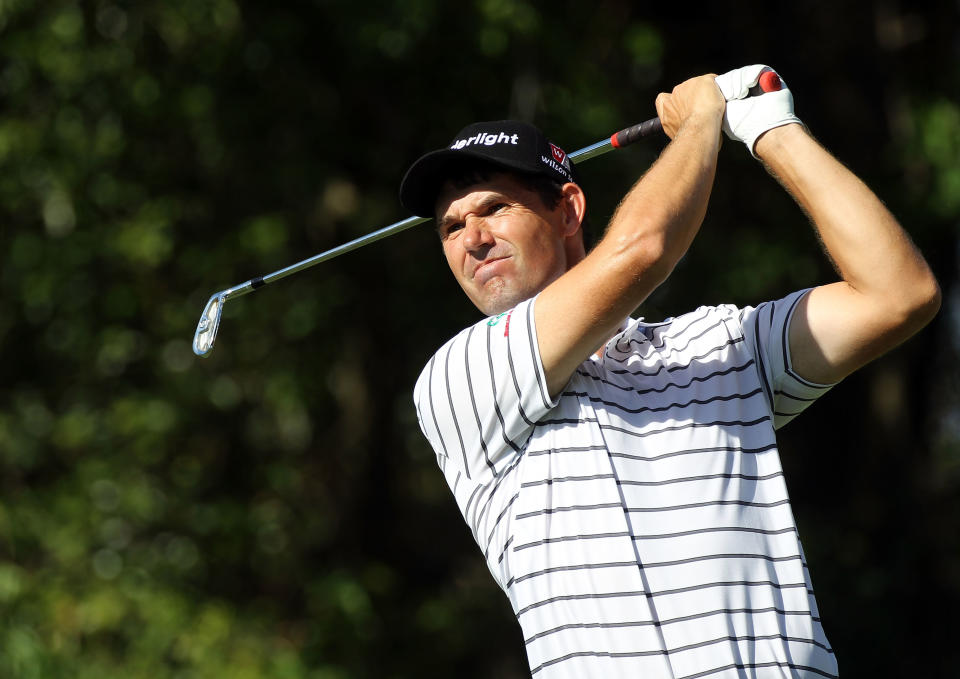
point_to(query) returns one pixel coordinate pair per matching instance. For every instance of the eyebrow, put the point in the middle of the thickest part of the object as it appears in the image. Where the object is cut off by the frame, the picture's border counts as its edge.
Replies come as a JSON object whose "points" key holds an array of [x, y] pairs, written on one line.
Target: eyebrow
{"points": [[492, 199]]}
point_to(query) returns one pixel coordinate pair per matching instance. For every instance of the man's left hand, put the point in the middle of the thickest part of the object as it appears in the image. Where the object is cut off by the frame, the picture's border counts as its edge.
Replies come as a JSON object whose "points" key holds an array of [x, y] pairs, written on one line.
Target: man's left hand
{"points": [[747, 117]]}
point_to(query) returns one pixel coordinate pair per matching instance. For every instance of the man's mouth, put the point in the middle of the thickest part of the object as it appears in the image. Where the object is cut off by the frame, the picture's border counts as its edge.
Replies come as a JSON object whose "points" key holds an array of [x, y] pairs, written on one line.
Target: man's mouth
{"points": [[488, 269]]}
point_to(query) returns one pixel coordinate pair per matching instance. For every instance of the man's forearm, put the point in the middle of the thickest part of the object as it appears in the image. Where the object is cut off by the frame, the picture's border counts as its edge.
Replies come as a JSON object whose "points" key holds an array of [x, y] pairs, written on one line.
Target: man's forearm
{"points": [[887, 292], [650, 231], [665, 208], [870, 249]]}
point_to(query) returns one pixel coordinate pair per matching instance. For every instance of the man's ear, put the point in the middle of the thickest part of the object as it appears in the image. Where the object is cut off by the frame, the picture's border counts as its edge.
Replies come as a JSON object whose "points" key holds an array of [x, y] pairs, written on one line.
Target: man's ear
{"points": [[574, 205]]}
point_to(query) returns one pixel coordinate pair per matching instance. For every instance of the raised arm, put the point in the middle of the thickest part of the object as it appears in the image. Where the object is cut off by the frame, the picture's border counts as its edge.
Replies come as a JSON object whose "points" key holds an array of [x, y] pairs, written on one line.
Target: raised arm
{"points": [[887, 292], [651, 229]]}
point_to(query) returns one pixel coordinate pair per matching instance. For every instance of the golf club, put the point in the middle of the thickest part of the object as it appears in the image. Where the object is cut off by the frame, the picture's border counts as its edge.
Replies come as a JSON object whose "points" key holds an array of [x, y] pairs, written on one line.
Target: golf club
{"points": [[206, 333]]}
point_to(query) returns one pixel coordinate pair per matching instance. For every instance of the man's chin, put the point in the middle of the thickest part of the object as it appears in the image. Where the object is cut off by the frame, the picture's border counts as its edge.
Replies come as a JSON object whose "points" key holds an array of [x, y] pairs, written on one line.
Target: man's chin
{"points": [[503, 299]]}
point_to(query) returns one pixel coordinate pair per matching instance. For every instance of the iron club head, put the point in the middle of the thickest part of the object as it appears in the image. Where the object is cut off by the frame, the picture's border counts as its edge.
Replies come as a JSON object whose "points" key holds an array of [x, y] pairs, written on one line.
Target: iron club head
{"points": [[206, 333]]}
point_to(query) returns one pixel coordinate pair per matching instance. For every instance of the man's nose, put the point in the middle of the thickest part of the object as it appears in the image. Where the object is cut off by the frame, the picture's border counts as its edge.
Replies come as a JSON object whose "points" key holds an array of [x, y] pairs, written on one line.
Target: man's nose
{"points": [[476, 234]]}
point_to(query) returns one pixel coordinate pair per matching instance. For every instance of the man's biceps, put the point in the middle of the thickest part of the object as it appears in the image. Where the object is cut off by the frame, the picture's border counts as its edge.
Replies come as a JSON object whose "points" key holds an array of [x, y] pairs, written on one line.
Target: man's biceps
{"points": [[556, 353], [832, 333]]}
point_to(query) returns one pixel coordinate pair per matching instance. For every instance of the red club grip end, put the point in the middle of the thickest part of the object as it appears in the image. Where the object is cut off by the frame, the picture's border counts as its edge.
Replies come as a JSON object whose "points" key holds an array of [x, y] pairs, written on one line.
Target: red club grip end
{"points": [[770, 81]]}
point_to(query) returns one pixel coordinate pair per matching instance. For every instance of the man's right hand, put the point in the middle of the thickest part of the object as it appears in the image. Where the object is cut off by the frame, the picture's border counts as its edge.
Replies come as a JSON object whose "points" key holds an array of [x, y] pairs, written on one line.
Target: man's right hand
{"points": [[698, 96]]}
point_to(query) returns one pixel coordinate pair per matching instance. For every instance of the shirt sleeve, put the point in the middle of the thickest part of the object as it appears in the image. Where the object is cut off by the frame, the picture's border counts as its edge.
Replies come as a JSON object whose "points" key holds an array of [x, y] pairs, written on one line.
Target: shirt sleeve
{"points": [[766, 329], [479, 397]]}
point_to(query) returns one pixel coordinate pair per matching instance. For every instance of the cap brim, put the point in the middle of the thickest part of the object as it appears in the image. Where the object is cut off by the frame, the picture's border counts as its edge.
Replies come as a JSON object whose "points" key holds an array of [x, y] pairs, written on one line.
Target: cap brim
{"points": [[422, 183]]}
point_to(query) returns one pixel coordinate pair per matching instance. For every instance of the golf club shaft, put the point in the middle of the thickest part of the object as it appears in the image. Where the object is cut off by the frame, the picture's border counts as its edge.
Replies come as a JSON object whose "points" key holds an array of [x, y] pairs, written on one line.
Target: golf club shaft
{"points": [[206, 333], [619, 140], [624, 137]]}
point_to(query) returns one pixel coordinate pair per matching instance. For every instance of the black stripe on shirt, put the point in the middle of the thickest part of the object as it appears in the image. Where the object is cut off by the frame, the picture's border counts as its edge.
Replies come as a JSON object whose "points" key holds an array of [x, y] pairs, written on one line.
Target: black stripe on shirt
{"points": [[589, 625], [796, 378], [660, 409], [678, 590], [498, 484], [666, 482], [712, 557], [534, 355], [685, 618], [486, 505], [562, 479], [717, 529], [513, 374], [576, 567], [506, 546], [578, 597], [669, 385], [781, 392], [496, 403], [659, 564], [783, 334], [473, 401], [571, 508], [635, 654], [663, 338], [654, 458], [570, 538], [675, 368], [696, 451], [703, 477], [567, 449], [735, 583], [569, 420], [690, 341], [692, 425], [759, 355], [707, 312], [486, 548], [728, 611], [433, 410], [671, 350], [596, 654], [743, 666], [473, 495], [453, 411], [711, 503], [655, 536]]}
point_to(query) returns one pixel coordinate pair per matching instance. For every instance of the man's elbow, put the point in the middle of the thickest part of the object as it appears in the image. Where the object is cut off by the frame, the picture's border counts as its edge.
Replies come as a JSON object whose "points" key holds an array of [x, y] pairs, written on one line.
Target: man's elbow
{"points": [[930, 303], [919, 302]]}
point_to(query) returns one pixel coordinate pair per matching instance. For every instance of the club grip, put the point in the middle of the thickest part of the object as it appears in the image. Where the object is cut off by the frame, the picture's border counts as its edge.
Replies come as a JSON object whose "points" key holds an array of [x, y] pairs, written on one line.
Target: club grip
{"points": [[769, 82], [628, 135]]}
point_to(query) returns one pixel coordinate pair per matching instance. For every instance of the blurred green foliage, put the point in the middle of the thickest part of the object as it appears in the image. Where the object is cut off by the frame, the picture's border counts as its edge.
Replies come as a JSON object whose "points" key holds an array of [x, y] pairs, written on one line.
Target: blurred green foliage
{"points": [[273, 511]]}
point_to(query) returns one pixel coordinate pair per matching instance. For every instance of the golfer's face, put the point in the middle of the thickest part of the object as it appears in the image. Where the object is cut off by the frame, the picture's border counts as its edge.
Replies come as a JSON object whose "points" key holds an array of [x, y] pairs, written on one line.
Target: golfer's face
{"points": [[501, 242]]}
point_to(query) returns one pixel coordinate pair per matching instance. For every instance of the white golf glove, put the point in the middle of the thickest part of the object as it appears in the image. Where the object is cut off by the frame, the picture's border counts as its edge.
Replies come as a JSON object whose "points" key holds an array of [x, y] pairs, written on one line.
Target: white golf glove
{"points": [[746, 117]]}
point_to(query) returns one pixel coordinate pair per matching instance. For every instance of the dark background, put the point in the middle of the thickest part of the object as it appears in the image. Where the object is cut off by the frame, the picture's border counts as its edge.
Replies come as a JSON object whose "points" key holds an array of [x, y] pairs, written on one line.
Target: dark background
{"points": [[273, 511]]}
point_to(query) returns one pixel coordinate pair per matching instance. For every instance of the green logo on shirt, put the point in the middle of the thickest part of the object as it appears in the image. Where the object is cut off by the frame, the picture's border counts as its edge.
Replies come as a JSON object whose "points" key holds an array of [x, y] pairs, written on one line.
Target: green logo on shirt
{"points": [[496, 319]]}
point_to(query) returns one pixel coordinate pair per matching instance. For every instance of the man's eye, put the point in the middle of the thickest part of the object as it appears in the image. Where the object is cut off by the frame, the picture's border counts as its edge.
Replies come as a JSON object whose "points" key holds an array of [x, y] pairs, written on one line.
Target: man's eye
{"points": [[496, 207], [451, 230]]}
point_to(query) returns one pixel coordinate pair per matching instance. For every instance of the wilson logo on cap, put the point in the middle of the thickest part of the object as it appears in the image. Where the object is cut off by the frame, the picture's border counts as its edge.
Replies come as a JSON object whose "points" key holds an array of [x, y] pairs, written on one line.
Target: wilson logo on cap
{"points": [[558, 154]]}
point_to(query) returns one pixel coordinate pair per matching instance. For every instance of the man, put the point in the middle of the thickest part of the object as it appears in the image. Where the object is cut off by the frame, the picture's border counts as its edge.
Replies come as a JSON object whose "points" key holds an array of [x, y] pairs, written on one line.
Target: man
{"points": [[621, 477]]}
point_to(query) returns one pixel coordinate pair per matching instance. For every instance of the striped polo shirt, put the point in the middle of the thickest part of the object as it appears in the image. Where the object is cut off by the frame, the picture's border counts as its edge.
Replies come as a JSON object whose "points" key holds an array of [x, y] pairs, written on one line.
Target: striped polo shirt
{"points": [[639, 523]]}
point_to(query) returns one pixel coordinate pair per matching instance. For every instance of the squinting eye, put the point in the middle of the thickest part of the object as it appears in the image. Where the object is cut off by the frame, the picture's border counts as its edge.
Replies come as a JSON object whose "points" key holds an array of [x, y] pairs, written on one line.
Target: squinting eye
{"points": [[450, 230]]}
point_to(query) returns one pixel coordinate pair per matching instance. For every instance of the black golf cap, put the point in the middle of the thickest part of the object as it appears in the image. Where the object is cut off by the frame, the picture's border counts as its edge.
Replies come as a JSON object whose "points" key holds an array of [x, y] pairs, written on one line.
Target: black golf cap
{"points": [[509, 144]]}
